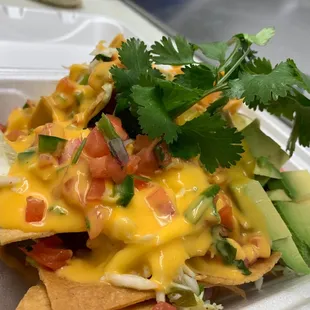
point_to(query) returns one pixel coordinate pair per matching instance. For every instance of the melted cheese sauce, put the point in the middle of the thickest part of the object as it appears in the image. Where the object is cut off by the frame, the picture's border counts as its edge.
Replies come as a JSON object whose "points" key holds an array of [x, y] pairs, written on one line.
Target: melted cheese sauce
{"points": [[135, 239]]}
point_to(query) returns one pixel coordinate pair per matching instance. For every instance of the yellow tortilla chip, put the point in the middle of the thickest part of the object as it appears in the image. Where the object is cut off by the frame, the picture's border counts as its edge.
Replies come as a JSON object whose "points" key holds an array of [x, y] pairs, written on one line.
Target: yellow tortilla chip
{"points": [[148, 305], [35, 298], [218, 274], [68, 295], [13, 235]]}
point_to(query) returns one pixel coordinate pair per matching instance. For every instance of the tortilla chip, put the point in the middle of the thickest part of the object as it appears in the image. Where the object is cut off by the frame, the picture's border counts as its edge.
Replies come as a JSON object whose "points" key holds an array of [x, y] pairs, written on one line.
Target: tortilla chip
{"points": [[148, 305], [261, 267], [14, 235], [35, 298], [68, 295], [117, 41]]}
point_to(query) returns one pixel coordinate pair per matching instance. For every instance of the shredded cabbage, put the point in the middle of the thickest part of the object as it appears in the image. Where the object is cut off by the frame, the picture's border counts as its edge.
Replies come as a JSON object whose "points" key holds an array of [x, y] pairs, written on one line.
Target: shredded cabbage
{"points": [[7, 156]]}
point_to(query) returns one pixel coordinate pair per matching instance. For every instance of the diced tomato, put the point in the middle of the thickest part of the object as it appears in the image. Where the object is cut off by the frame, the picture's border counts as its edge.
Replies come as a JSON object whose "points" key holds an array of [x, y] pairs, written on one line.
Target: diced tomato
{"points": [[141, 142], [96, 190], [163, 306], [35, 209], [148, 163], [117, 124], [49, 256], [96, 146], [107, 167], [226, 215], [14, 135], [140, 184], [2, 128], [65, 85], [70, 149], [53, 242], [133, 164], [96, 218], [282, 169], [160, 202]]}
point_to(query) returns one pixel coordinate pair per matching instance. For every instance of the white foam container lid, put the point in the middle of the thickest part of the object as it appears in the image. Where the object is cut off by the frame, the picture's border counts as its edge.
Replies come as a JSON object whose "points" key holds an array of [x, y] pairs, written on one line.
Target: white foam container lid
{"points": [[35, 44]]}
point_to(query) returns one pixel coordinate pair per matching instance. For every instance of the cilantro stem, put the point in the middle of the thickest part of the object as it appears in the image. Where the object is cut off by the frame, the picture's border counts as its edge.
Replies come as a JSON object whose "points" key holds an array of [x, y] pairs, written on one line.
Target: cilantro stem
{"points": [[234, 67], [228, 60]]}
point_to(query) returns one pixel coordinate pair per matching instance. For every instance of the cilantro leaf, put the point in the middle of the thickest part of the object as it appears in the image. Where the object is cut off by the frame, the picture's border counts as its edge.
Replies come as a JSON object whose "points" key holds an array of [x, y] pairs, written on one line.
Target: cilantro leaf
{"points": [[260, 89], [261, 38], [196, 77], [214, 50], [303, 78], [165, 53], [241, 266], [177, 98], [153, 118], [134, 55], [259, 66], [208, 136], [295, 107], [123, 79], [226, 250]]}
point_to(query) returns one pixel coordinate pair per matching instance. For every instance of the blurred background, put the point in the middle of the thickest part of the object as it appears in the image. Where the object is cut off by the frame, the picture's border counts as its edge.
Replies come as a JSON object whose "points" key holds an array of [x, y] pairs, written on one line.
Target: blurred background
{"points": [[217, 20]]}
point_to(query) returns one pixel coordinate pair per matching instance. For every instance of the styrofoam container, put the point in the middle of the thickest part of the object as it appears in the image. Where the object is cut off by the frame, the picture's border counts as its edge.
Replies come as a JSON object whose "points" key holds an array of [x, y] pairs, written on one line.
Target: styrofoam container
{"points": [[35, 44]]}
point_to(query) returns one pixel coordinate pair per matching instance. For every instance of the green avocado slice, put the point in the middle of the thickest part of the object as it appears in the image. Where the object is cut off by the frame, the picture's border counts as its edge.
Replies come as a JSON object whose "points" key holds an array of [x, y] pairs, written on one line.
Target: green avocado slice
{"points": [[263, 146], [296, 219], [251, 196], [290, 255], [278, 195]]}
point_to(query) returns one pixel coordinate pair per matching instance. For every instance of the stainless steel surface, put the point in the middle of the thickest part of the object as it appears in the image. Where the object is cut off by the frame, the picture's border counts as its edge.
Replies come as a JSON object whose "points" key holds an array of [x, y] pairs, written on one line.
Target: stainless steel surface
{"points": [[215, 20]]}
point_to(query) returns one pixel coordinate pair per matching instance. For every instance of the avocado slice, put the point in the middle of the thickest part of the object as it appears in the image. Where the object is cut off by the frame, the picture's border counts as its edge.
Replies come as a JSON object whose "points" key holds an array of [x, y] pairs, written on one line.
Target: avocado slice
{"points": [[297, 184], [263, 146], [262, 179], [255, 204], [240, 121], [290, 255], [42, 114], [296, 219], [265, 168], [250, 196], [278, 195]]}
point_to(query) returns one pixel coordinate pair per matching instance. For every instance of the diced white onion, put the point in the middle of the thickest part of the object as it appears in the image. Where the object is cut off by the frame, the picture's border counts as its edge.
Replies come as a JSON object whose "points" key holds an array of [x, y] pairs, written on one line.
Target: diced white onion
{"points": [[130, 281], [160, 297], [8, 181]]}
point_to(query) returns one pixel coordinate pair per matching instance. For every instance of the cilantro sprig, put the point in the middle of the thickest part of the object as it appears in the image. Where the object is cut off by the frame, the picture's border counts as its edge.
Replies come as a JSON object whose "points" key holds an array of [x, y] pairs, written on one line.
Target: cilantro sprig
{"points": [[149, 103]]}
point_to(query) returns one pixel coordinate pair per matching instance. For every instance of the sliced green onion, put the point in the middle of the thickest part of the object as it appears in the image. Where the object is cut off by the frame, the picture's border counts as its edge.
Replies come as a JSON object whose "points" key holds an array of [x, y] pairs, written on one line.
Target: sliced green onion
{"points": [[26, 106], [87, 223], [79, 152], [182, 297], [83, 80], [31, 262], [125, 191], [115, 143], [106, 128], [58, 210], [24, 156], [50, 144], [102, 58], [196, 210], [79, 95]]}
